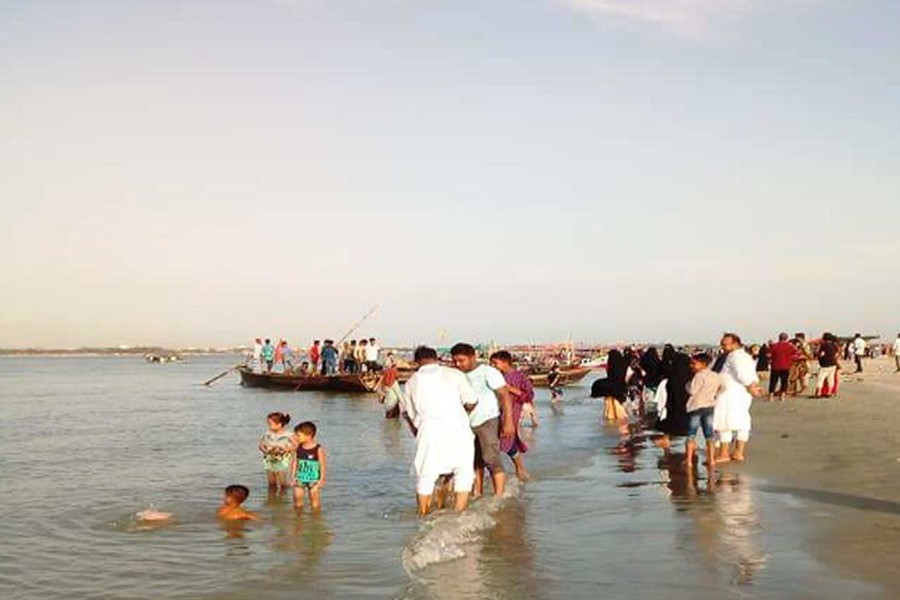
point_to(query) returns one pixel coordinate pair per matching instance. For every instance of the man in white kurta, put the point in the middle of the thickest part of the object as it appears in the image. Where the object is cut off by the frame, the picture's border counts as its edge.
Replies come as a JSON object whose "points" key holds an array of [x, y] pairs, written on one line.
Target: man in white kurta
{"points": [[434, 406], [732, 415]]}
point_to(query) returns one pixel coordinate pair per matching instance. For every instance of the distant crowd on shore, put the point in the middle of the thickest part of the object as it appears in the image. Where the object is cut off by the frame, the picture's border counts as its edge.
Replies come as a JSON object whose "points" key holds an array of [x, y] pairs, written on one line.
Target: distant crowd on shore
{"points": [[321, 358], [693, 390]]}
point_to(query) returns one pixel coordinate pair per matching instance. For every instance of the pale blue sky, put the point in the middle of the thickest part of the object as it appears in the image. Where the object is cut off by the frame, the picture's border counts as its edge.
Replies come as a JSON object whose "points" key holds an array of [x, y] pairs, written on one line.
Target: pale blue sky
{"points": [[203, 172]]}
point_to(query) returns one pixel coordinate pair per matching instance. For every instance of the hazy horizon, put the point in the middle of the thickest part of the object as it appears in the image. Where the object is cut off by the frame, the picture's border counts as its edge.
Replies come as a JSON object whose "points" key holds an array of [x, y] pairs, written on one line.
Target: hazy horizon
{"points": [[202, 173]]}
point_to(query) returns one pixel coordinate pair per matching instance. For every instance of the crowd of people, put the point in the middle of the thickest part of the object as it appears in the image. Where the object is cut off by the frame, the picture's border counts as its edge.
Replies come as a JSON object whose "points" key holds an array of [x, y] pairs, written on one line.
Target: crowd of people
{"points": [[712, 390], [321, 358]]}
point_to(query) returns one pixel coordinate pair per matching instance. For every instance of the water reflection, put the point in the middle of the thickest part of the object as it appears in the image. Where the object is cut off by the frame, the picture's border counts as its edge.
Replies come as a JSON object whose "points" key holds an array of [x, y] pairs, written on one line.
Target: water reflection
{"points": [[723, 523]]}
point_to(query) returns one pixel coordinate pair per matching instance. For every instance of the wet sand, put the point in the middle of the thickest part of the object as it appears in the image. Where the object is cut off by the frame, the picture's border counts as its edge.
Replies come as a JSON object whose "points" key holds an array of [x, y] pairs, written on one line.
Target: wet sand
{"points": [[841, 457]]}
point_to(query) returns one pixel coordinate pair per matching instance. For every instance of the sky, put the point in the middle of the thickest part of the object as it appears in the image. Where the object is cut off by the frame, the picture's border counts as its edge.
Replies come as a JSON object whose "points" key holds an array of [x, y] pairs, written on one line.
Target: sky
{"points": [[198, 173]]}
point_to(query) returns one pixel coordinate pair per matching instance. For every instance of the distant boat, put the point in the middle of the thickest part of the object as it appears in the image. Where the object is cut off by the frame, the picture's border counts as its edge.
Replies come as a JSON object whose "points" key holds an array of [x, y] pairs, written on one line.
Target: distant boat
{"points": [[162, 358], [567, 376], [362, 383]]}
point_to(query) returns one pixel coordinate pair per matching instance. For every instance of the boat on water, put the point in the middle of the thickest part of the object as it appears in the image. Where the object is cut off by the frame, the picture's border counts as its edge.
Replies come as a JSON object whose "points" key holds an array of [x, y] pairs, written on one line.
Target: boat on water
{"points": [[361, 383], [569, 376]]}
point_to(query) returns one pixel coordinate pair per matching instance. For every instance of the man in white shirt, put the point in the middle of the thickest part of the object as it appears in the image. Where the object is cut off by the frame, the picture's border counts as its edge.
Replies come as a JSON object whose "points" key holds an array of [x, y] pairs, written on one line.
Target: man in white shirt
{"points": [[256, 361], [489, 386], [434, 406], [859, 350], [895, 349], [372, 351]]}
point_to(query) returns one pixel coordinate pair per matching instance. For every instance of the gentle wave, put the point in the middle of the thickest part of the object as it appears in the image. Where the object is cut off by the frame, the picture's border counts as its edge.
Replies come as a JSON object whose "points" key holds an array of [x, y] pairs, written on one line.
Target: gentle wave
{"points": [[444, 536]]}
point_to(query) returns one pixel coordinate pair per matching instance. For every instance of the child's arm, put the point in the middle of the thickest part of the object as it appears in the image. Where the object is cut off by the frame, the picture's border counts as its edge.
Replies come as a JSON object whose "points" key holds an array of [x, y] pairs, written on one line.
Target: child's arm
{"points": [[294, 464], [323, 468], [514, 391], [263, 447]]}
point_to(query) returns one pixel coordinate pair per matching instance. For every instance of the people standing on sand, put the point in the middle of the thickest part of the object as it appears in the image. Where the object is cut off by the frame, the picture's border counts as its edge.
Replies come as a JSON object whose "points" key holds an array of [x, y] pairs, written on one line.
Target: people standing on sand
{"points": [[799, 378], [329, 359], [491, 418], [763, 358], [732, 414], [315, 354], [826, 381], [895, 350], [522, 391], [268, 355], [859, 351], [783, 354], [434, 405], [676, 422]]}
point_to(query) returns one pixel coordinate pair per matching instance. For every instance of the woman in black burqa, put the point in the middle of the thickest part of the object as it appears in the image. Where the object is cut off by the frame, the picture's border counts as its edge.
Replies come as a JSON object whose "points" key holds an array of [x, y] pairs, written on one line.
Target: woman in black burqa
{"points": [[679, 376], [650, 365], [613, 388]]}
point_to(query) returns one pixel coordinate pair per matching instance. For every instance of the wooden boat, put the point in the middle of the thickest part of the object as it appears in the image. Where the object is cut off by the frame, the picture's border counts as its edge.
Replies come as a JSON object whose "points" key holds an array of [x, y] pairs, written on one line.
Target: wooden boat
{"points": [[363, 383], [566, 376]]}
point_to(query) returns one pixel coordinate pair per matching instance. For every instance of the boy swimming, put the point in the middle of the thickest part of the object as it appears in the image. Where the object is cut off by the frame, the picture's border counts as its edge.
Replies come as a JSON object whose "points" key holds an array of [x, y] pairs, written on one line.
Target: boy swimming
{"points": [[232, 509], [308, 466]]}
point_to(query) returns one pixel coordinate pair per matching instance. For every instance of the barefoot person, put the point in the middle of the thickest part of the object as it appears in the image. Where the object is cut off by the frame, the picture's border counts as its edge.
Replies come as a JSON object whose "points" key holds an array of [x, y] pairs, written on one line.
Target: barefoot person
{"points": [[703, 389], [486, 417], [522, 391], [434, 406], [732, 414]]}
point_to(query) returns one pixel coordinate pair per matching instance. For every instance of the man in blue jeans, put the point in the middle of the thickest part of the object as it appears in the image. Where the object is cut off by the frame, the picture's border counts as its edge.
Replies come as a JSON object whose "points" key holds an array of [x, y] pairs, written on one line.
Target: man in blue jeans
{"points": [[704, 388]]}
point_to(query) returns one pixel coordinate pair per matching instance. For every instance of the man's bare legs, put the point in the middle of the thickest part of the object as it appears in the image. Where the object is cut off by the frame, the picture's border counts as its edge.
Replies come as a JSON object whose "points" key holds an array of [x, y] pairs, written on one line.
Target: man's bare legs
{"points": [[424, 504], [521, 471], [462, 501], [499, 481], [739, 447]]}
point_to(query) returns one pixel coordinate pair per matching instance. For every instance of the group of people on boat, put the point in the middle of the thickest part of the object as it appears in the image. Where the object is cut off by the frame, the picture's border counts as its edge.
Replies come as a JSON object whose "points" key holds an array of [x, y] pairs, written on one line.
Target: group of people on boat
{"points": [[321, 358]]}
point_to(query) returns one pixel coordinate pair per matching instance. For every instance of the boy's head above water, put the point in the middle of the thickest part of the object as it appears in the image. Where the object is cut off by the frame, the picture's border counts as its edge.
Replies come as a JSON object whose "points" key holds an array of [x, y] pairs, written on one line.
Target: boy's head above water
{"points": [[235, 495], [305, 431]]}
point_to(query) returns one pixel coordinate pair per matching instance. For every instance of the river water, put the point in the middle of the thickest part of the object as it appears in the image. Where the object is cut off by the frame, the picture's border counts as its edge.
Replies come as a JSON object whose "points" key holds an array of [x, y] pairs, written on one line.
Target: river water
{"points": [[85, 443]]}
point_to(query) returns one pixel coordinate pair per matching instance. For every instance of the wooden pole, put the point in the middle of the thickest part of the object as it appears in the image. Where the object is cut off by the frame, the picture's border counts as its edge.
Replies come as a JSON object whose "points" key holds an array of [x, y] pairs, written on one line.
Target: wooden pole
{"points": [[223, 374], [356, 325]]}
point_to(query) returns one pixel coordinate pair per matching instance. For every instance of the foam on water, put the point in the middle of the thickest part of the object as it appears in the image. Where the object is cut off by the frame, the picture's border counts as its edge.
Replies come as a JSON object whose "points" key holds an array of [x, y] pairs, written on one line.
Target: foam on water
{"points": [[445, 535]]}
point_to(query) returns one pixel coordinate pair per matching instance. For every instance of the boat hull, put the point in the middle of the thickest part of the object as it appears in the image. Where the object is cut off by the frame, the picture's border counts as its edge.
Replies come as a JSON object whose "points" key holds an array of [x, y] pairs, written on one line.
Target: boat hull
{"points": [[348, 384], [566, 377]]}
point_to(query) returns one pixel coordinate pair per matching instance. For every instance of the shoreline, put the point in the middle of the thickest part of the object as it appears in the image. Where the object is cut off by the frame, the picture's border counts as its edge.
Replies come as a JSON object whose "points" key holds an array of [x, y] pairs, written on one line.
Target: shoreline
{"points": [[840, 457]]}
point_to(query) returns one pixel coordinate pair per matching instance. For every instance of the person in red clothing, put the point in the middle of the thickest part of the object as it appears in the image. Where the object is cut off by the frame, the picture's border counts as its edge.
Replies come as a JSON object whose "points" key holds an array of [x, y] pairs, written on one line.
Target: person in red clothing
{"points": [[314, 354], [783, 355]]}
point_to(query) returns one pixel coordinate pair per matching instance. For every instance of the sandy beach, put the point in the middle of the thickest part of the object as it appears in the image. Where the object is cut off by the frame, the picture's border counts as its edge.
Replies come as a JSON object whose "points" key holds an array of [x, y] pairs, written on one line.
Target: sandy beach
{"points": [[841, 456]]}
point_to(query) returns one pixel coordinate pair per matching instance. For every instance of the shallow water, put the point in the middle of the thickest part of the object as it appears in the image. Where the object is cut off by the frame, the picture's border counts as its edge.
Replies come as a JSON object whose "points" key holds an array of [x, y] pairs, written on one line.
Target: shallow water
{"points": [[85, 443]]}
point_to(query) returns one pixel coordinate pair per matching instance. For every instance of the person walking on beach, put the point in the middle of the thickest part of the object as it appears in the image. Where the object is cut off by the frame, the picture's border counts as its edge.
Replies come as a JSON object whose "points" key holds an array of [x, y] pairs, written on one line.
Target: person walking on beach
{"points": [[895, 350], [489, 385], [732, 414], [783, 354], [703, 389], [434, 406], [859, 351]]}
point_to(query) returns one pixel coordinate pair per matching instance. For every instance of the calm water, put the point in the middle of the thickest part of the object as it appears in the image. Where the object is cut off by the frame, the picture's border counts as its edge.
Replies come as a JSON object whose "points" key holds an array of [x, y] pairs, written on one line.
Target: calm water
{"points": [[85, 443]]}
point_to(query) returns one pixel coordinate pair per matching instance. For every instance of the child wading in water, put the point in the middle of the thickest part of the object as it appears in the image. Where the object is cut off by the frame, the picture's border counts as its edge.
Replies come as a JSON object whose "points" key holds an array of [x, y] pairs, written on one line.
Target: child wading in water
{"points": [[277, 447], [703, 388], [231, 509], [308, 467]]}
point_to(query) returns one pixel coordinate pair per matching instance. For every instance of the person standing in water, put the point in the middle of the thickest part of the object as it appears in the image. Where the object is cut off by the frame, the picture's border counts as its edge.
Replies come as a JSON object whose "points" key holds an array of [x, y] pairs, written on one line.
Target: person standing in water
{"points": [[703, 388], [308, 469], [554, 383], [492, 392], [732, 414], [522, 391], [277, 448], [434, 406]]}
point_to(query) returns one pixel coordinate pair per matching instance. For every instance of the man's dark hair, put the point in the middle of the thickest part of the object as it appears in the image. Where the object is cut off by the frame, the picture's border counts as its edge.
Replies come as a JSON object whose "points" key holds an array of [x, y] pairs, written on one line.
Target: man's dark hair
{"points": [[502, 356], [307, 427], [734, 337], [423, 353], [315, 341], [702, 357], [462, 349], [782, 337], [238, 492]]}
